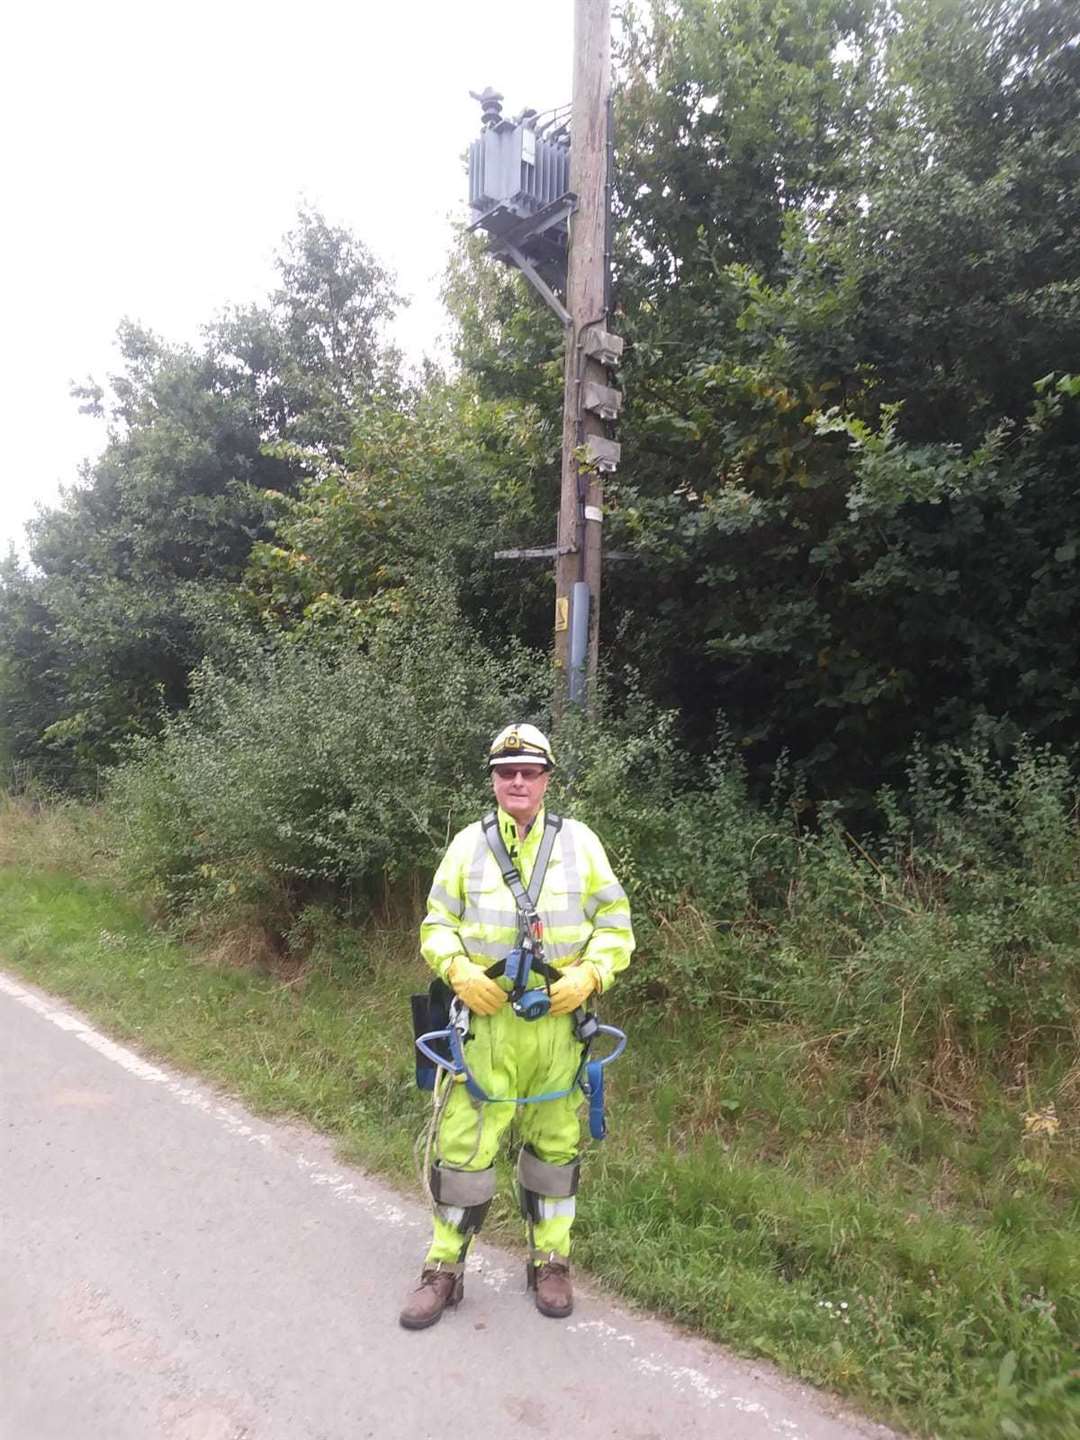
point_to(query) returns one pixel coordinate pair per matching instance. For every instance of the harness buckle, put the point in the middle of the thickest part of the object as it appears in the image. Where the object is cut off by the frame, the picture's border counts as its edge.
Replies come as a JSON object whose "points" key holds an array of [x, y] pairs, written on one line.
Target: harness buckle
{"points": [[586, 1026]]}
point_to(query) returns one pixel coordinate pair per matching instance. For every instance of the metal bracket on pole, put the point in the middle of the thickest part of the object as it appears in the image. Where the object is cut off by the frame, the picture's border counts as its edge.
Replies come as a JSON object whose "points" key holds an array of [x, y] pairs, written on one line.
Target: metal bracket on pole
{"points": [[527, 242], [541, 552], [532, 275], [549, 552]]}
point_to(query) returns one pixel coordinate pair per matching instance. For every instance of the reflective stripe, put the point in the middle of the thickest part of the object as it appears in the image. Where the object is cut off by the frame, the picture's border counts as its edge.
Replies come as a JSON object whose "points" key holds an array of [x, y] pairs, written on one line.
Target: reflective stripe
{"points": [[563, 919], [478, 864], [433, 918], [480, 915], [493, 949], [556, 1209], [499, 944], [568, 851], [470, 901], [560, 949], [451, 1215], [607, 893], [448, 901], [604, 896]]}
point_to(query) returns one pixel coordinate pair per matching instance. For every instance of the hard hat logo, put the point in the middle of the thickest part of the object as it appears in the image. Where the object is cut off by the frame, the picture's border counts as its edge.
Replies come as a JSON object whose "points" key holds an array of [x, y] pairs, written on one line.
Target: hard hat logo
{"points": [[521, 742]]}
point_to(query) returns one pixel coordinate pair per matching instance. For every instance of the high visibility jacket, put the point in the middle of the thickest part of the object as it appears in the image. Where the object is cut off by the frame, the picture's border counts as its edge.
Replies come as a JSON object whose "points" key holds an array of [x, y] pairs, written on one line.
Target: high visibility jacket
{"points": [[471, 911]]}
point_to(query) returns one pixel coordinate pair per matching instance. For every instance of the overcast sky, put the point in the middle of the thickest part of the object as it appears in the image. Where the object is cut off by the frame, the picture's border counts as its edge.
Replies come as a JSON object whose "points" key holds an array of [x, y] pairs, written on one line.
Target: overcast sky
{"points": [[154, 155]]}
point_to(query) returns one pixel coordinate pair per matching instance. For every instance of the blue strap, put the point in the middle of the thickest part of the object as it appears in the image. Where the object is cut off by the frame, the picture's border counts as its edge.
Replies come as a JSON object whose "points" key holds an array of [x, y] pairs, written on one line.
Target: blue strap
{"points": [[589, 1078], [597, 1120], [461, 1068], [592, 1080]]}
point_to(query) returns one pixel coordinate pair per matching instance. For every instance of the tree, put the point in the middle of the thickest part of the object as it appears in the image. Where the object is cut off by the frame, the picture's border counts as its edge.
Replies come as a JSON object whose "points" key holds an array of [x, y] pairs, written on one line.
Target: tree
{"points": [[910, 242], [32, 682], [136, 564], [427, 493]]}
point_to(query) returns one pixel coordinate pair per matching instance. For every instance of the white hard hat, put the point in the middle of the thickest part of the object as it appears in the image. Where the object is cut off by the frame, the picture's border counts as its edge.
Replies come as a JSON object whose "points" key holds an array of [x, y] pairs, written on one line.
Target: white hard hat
{"points": [[521, 742]]}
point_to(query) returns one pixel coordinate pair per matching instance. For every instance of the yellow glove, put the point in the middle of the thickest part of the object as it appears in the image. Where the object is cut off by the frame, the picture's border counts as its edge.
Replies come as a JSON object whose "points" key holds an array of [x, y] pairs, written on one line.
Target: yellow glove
{"points": [[479, 991], [573, 987]]}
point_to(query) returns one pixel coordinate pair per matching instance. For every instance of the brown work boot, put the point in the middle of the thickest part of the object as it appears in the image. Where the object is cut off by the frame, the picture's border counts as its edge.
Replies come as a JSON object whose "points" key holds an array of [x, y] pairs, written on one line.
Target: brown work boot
{"points": [[441, 1286], [551, 1282]]}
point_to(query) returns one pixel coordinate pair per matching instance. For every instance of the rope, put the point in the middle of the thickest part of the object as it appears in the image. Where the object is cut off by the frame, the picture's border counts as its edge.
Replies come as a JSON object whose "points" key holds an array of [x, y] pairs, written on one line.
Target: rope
{"points": [[444, 1085]]}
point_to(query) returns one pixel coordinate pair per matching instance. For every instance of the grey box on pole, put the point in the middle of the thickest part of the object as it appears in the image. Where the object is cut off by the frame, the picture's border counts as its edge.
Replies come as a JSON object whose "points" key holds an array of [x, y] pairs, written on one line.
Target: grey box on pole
{"points": [[602, 400], [603, 347], [519, 195], [602, 452]]}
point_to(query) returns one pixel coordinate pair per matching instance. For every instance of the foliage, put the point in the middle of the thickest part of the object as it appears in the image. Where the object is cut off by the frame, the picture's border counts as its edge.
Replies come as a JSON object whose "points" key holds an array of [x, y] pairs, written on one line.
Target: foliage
{"points": [[953, 934], [680, 829], [428, 491], [838, 221], [919, 254], [847, 261], [506, 342], [732, 115], [132, 571], [846, 264], [306, 774], [270, 791], [961, 930], [33, 678], [318, 350]]}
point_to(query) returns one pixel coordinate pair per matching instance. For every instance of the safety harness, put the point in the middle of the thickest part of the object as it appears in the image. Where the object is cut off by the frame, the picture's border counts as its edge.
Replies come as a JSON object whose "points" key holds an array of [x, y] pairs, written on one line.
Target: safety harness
{"points": [[528, 955], [445, 1048]]}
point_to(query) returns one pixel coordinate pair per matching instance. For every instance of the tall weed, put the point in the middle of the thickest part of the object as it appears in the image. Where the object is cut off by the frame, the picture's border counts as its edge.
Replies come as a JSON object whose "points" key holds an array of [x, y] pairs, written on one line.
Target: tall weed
{"points": [[963, 914]]}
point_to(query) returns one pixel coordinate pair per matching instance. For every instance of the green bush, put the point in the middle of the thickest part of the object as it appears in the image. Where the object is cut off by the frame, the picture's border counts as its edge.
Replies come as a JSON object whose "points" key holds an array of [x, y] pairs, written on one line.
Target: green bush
{"points": [[699, 859], [304, 774]]}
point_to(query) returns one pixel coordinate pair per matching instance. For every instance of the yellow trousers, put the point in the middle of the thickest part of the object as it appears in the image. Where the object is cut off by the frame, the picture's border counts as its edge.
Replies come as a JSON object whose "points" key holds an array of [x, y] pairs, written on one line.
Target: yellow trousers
{"points": [[509, 1056]]}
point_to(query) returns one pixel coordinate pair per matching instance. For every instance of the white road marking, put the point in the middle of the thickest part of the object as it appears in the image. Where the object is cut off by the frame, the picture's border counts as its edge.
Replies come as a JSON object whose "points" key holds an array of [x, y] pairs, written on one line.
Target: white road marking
{"points": [[681, 1377]]}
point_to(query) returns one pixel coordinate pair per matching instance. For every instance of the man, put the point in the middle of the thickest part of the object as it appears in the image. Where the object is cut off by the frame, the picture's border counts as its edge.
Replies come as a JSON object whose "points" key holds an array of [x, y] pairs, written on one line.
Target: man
{"points": [[473, 921]]}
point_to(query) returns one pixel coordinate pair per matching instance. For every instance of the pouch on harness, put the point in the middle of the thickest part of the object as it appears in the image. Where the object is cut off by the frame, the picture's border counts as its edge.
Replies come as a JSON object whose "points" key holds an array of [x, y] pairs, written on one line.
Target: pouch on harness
{"points": [[431, 1013]]}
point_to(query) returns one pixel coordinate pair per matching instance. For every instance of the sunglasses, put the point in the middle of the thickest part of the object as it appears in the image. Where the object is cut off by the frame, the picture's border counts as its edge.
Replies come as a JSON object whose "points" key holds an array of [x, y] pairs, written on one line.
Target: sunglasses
{"points": [[527, 772]]}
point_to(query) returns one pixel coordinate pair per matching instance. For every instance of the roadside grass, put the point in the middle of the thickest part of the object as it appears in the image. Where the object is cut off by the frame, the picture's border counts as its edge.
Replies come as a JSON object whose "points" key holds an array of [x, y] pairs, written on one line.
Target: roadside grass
{"points": [[920, 1256]]}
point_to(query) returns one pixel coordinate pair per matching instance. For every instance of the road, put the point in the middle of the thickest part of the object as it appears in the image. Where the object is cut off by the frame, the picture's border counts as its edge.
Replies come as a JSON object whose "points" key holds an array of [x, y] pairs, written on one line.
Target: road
{"points": [[174, 1268]]}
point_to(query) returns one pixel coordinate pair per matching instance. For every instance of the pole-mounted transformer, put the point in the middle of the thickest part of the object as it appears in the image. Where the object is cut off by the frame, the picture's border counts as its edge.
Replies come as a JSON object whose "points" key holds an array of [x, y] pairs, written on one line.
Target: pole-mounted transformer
{"points": [[519, 192]]}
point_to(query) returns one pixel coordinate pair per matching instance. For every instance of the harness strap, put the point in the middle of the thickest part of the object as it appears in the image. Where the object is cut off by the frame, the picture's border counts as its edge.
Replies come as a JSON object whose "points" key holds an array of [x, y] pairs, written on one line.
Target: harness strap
{"points": [[543, 1178], [589, 1078], [525, 900], [461, 1187], [550, 973], [478, 1093]]}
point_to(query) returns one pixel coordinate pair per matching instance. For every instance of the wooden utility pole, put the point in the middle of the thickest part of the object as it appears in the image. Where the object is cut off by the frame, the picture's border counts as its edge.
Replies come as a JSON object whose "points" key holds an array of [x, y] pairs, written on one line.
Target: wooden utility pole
{"points": [[579, 550]]}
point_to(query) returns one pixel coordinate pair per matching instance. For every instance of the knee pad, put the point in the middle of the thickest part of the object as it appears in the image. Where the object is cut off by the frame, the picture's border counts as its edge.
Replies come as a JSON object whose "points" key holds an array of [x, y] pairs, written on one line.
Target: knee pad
{"points": [[463, 1197], [546, 1191]]}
